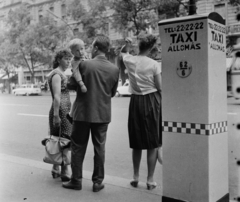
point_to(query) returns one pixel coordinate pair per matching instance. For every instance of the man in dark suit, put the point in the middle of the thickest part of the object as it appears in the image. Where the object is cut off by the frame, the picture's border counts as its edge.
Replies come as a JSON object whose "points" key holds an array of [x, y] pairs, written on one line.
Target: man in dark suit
{"points": [[92, 113]]}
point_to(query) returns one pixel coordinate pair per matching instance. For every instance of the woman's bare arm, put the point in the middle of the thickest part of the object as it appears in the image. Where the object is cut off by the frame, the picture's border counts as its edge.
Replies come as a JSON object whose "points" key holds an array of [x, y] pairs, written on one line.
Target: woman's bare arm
{"points": [[56, 87], [158, 81]]}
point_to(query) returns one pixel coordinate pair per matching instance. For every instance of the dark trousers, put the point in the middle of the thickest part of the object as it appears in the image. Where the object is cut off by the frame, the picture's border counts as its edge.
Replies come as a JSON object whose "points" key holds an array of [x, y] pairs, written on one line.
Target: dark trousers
{"points": [[79, 140]]}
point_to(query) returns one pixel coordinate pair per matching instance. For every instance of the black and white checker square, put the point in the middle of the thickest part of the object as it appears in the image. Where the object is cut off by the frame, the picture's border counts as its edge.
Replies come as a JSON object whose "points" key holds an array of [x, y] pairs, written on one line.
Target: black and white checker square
{"points": [[194, 128], [219, 127]]}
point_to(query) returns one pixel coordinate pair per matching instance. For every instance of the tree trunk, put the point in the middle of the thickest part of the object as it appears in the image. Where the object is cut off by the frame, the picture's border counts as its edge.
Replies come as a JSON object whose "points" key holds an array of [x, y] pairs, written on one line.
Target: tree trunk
{"points": [[192, 7], [8, 80], [9, 84], [32, 77]]}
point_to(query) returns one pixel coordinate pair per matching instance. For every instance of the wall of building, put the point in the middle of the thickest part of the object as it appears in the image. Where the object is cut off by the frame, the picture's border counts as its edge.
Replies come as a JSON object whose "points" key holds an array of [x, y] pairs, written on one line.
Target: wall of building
{"points": [[228, 12], [219, 6]]}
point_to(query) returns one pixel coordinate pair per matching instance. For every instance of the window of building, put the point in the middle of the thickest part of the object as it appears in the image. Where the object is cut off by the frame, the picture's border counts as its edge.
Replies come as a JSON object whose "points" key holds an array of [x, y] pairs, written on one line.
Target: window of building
{"points": [[75, 31], [63, 11], [10, 11], [40, 13], [40, 17], [51, 9], [40, 8], [105, 29]]}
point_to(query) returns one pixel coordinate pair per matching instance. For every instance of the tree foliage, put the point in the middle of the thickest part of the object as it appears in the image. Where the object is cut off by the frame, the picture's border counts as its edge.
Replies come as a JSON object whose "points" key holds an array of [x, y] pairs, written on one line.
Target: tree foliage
{"points": [[18, 22], [76, 10], [93, 18], [134, 15], [137, 15], [235, 2], [31, 44], [7, 59], [170, 8]]}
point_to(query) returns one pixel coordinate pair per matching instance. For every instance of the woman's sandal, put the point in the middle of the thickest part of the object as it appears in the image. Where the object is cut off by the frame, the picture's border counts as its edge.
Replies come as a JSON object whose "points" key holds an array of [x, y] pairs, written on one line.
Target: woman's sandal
{"points": [[65, 177], [151, 185], [55, 173], [134, 183]]}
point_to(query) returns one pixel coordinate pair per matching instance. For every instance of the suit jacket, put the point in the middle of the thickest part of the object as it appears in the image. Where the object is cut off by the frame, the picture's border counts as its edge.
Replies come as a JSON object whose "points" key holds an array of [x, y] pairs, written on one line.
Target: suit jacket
{"points": [[101, 79]]}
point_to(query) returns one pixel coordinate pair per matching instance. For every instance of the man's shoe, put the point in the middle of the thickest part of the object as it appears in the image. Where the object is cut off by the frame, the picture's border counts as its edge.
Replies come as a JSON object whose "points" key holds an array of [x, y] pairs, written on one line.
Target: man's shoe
{"points": [[72, 185], [97, 187], [65, 178]]}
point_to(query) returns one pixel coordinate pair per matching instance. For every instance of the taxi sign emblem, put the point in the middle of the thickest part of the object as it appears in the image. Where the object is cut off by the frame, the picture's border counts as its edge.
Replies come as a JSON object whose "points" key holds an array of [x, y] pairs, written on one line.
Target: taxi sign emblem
{"points": [[184, 69]]}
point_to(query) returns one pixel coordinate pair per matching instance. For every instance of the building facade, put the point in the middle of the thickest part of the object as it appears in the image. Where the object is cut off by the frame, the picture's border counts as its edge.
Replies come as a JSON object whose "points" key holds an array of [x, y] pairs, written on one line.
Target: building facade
{"points": [[58, 10], [229, 13]]}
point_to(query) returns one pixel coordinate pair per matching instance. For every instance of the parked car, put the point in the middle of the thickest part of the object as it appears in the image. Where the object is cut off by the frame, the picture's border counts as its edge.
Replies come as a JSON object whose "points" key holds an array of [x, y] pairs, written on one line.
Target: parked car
{"points": [[27, 89], [44, 86], [123, 90]]}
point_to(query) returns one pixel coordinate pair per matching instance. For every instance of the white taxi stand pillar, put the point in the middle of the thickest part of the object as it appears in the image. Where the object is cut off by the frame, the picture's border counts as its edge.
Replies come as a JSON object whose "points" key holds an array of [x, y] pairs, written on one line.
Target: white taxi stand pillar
{"points": [[194, 107]]}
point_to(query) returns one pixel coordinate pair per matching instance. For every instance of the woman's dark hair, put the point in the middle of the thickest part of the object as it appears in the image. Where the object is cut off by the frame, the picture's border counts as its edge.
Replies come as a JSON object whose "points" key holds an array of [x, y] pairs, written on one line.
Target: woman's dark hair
{"points": [[146, 41], [102, 42], [59, 55]]}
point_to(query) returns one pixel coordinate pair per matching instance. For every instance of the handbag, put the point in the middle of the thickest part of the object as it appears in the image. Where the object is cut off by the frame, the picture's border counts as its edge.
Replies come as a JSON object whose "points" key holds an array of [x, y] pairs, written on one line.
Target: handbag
{"points": [[57, 150]]}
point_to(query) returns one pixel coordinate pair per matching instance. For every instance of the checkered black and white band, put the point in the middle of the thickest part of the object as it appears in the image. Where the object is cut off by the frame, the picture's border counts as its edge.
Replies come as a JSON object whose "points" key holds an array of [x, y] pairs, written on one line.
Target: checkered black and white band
{"points": [[194, 128]]}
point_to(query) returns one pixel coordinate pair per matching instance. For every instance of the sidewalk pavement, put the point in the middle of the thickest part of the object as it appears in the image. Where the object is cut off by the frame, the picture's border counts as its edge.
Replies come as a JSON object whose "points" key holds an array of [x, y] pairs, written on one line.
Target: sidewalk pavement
{"points": [[29, 180]]}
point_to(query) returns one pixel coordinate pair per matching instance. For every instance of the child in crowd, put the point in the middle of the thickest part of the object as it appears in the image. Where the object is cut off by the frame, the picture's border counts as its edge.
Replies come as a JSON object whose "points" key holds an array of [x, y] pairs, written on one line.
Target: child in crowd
{"points": [[78, 50]]}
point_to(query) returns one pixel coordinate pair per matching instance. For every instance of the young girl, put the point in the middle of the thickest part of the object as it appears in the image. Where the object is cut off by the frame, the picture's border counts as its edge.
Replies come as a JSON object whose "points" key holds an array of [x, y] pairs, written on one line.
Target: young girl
{"points": [[77, 49]]}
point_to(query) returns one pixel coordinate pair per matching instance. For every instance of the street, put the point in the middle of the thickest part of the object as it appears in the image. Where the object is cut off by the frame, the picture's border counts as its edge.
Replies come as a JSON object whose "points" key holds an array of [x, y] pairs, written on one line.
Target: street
{"points": [[24, 123]]}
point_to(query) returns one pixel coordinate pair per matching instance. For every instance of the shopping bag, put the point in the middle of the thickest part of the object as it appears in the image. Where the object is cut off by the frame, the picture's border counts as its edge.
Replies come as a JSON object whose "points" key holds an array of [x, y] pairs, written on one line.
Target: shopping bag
{"points": [[57, 151]]}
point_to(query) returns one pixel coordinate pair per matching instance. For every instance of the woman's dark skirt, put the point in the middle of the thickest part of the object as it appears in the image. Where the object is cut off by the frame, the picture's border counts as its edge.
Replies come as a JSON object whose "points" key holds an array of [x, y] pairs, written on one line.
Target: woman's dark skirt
{"points": [[145, 121]]}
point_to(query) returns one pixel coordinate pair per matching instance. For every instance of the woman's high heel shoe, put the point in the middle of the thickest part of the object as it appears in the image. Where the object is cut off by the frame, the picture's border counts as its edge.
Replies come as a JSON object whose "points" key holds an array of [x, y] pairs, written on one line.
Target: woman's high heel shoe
{"points": [[65, 174], [134, 183], [55, 173], [151, 185]]}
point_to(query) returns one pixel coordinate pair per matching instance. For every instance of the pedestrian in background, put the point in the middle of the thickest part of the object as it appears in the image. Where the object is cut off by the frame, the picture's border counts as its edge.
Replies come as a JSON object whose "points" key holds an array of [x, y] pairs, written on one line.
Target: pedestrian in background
{"points": [[92, 113], [144, 121], [61, 105]]}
